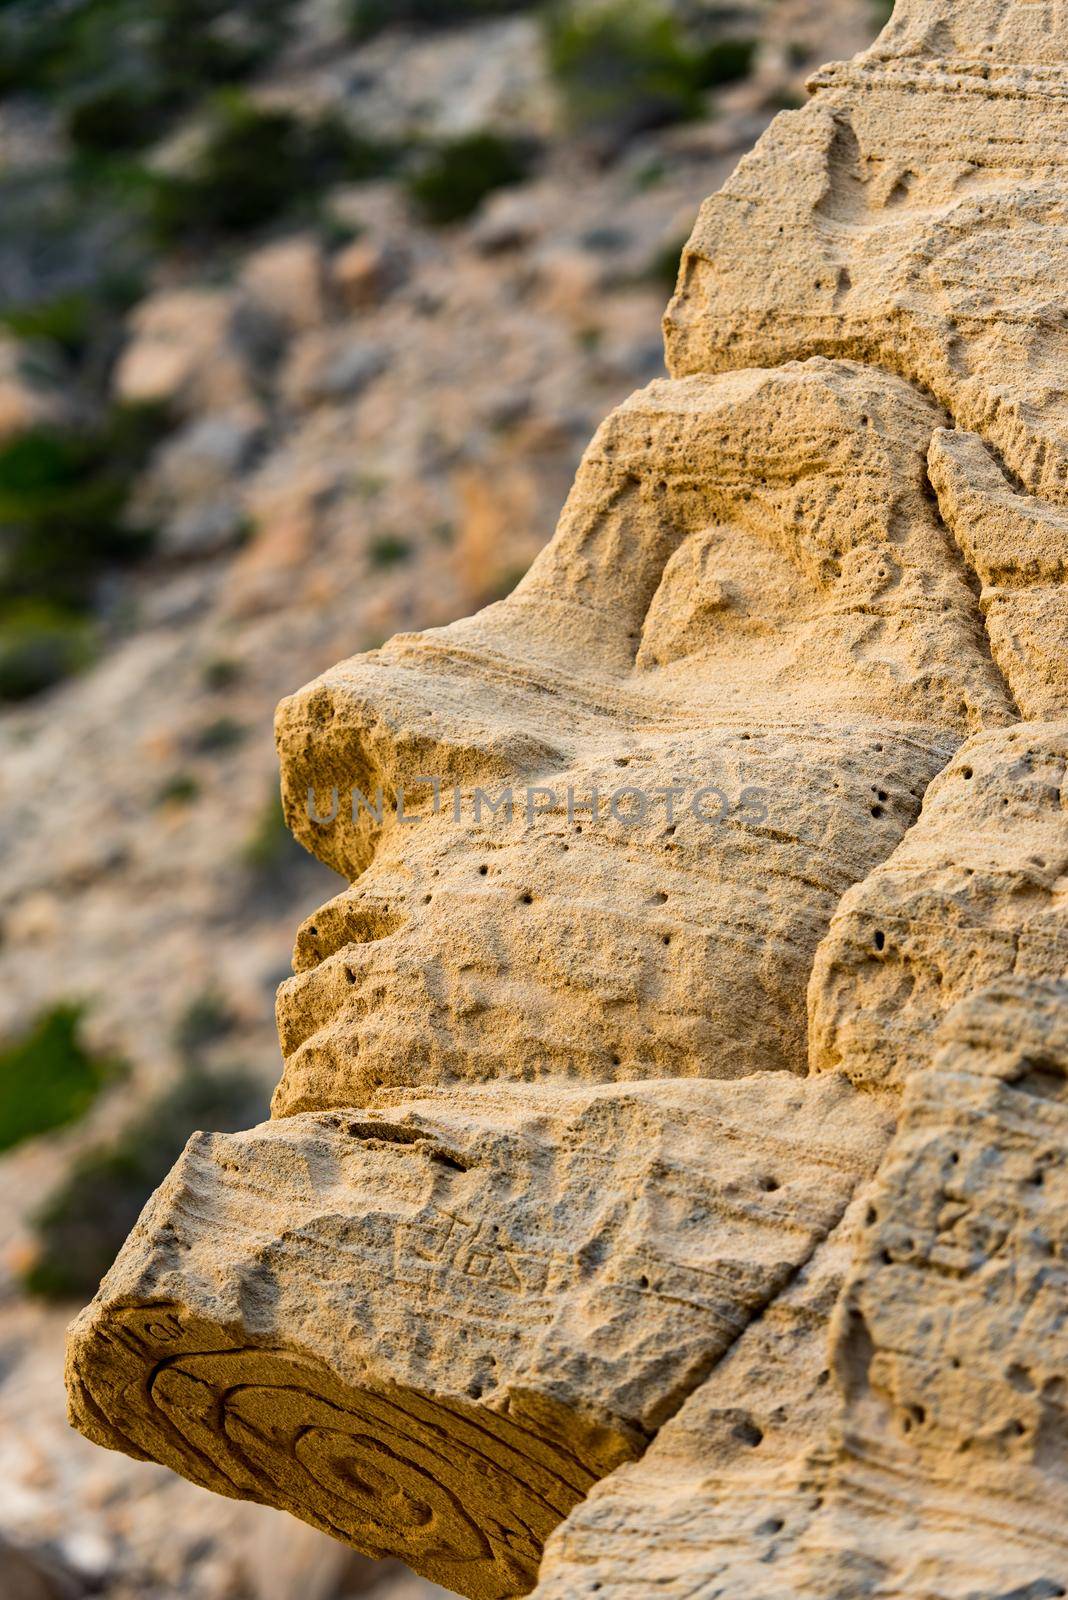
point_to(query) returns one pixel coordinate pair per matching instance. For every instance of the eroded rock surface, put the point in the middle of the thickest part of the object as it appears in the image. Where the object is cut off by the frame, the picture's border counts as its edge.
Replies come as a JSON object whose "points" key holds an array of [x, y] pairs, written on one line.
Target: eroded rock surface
{"points": [[910, 216], [750, 589], [919, 1451], [433, 1329], [974, 893], [577, 1106]]}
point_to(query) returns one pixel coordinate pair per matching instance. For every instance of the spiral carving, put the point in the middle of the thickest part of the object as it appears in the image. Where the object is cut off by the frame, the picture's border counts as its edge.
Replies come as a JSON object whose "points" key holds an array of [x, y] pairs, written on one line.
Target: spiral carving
{"points": [[465, 1499]]}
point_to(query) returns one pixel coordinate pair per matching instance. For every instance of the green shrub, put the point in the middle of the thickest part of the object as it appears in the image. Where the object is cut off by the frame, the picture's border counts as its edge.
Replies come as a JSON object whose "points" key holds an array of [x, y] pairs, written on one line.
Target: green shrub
{"points": [[622, 67], [180, 790], [106, 56], [270, 848], [368, 17], [83, 324], [31, 47], [663, 269], [205, 1021], [82, 1225], [388, 550], [246, 176], [66, 321], [48, 1079], [199, 43], [255, 166], [117, 117], [725, 61], [456, 176], [40, 645], [63, 497], [221, 672], [217, 737]]}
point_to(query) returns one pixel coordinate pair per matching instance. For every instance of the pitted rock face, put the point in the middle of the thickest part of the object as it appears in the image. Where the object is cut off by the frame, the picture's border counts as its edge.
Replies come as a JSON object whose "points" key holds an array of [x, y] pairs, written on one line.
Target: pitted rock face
{"points": [[719, 1136], [750, 590]]}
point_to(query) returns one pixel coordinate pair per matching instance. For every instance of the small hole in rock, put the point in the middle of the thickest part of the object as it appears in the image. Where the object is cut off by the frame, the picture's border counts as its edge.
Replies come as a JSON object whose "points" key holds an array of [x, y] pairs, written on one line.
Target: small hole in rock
{"points": [[748, 1433], [880, 939], [771, 1526], [444, 1159]]}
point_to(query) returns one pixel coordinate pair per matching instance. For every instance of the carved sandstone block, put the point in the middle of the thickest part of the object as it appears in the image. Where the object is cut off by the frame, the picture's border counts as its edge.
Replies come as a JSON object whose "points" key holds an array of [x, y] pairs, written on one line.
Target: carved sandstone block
{"points": [[429, 1329]]}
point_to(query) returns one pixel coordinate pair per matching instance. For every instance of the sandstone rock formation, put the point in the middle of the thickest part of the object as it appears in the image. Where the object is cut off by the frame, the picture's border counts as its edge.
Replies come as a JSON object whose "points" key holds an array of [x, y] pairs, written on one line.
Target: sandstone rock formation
{"points": [[434, 1326], [682, 1076], [919, 1450]]}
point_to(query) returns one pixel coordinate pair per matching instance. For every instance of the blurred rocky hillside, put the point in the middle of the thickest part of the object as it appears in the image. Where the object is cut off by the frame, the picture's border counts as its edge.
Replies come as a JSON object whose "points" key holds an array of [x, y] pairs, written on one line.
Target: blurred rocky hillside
{"points": [[307, 311]]}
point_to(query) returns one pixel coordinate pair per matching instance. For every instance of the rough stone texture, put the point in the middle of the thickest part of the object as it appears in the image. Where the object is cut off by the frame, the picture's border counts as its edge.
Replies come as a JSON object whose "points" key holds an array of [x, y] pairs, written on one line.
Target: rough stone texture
{"points": [[734, 1475], [1018, 547], [831, 585], [748, 588], [910, 216], [432, 1329], [922, 1455], [974, 893]]}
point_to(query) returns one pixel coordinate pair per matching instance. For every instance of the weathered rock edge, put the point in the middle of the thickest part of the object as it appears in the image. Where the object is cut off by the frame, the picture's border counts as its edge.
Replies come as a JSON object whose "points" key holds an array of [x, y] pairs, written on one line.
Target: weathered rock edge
{"points": [[430, 1329]]}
